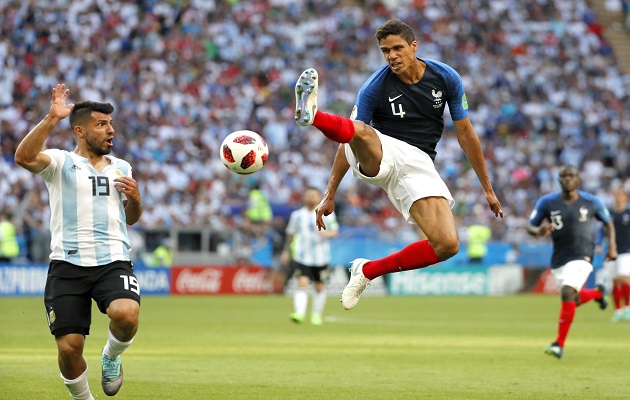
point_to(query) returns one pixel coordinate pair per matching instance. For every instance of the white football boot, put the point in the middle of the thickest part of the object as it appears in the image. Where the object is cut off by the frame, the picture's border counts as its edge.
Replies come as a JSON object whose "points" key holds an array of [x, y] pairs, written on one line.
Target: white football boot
{"points": [[358, 283], [306, 97]]}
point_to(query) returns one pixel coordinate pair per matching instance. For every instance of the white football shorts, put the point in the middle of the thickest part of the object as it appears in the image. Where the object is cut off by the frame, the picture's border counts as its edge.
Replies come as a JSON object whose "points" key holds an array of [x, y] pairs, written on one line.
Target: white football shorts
{"points": [[573, 274], [406, 174], [621, 265]]}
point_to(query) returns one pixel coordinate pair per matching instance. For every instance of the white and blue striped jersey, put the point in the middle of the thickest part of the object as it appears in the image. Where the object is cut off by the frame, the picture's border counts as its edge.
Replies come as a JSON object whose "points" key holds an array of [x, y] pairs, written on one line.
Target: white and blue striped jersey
{"points": [[309, 247], [87, 214]]}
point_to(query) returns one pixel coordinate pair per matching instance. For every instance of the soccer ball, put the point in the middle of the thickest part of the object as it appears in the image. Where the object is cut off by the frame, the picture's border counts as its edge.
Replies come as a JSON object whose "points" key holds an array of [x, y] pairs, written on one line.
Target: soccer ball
{"points": [[244, 152]]}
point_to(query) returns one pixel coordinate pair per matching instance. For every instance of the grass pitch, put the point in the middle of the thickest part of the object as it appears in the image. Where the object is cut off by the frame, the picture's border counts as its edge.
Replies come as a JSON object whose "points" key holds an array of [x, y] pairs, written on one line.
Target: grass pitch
{"points": [[386, 348]]}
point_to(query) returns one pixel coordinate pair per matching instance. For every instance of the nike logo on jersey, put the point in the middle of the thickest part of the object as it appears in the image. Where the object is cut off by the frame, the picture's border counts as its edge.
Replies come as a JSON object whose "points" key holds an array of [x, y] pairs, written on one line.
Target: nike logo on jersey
{"points": [[394, 98]]}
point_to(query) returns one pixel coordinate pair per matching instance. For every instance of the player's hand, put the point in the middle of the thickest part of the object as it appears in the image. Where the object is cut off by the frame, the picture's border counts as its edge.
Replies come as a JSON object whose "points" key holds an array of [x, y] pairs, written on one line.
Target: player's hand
{"points": [[129, 187], [611, 255], [545, 230], [325, 207], [495, 206], [58, 107]]}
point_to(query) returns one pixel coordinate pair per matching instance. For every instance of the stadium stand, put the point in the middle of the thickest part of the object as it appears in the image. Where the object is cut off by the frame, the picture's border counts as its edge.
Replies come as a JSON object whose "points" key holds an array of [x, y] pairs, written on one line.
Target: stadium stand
{"points": [[542, 79]]}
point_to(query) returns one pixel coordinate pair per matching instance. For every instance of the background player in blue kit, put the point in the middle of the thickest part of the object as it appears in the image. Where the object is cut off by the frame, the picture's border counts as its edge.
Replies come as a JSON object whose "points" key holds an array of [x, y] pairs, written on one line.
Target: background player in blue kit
{"points": [[620, 268], [390, 142], [92, 199], [570, 214]]}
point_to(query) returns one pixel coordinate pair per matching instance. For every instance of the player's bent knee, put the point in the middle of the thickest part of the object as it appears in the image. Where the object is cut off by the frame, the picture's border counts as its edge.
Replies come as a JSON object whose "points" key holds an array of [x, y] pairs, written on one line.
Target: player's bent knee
{"points": [[362, 131], [569, 294], [124, 311], [70, 346], [447, 249]]}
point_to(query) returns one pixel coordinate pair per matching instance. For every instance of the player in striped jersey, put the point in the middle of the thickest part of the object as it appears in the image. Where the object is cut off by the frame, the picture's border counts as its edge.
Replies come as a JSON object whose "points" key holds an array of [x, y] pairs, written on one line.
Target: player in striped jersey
{"points": [[309, 250], [93, 198], [390, 140]]}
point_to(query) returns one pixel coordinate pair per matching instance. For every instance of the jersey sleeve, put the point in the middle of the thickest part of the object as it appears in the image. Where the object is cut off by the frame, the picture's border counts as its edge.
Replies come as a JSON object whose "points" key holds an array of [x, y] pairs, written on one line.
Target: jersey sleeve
{"points": [[367, 99], [291, 226], [56, 162], [331, 222], [601, 212], [456, 97], [539, 213]]}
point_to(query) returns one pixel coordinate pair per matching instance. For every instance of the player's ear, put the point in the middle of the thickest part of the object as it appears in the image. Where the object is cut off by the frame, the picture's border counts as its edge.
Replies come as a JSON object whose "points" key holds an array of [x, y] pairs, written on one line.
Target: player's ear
{"points": [[78, 130]]}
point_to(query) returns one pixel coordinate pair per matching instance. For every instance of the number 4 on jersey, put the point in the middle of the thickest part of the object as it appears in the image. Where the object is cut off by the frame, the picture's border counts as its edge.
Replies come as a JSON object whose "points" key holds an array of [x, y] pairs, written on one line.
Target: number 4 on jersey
{"points": [[400, 110]]}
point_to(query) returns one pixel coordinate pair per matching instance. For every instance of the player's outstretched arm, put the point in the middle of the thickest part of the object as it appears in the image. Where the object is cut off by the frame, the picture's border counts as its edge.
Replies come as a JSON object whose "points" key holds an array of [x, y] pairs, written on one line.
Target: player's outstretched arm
{"points": [[28, 154], [469, 142], [610, 234], [327, 205]]}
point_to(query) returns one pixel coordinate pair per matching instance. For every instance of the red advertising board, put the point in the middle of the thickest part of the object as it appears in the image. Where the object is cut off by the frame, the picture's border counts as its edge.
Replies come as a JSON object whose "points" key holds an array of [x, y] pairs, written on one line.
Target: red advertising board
{"points": [[220, 280]]}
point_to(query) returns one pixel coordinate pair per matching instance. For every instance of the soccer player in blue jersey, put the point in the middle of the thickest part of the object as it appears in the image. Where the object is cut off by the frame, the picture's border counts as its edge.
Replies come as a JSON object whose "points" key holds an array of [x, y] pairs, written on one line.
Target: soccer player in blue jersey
{"points": [[309, 250], [390, 142], [620, 267], [569, 216], [92, 199]]}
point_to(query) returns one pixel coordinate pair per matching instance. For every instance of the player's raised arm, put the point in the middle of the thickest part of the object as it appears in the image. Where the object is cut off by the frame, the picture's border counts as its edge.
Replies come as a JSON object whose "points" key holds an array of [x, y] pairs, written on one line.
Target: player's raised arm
{"points": [[470, 144], [28, 154], [327, 205]]}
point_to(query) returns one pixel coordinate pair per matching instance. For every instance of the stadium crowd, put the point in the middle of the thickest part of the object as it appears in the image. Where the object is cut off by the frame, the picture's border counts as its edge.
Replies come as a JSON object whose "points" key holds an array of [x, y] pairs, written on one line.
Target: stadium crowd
{"points": [[542, 84]]}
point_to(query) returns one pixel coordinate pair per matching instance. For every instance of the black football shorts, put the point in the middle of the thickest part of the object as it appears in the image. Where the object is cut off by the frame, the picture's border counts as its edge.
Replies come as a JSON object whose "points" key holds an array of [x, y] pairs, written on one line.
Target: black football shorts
{"points": [[316, 274], [70, 289]]}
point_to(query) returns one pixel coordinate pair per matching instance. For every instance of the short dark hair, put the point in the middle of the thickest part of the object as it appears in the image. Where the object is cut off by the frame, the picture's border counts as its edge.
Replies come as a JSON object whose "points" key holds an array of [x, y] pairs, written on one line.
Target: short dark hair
{"points": [[568, 168], [82, 112], [395, 27]]}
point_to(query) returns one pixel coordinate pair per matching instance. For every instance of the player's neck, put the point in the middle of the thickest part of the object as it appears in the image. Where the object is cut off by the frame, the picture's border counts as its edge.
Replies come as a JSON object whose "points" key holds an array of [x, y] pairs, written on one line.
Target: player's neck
{"points": [[415, 74], [570, 197], [97, 161]]}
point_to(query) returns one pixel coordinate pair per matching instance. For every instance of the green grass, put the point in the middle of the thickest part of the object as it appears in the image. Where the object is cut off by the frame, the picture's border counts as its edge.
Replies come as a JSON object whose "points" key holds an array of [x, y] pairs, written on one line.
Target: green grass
{"points": [[387, 348]]}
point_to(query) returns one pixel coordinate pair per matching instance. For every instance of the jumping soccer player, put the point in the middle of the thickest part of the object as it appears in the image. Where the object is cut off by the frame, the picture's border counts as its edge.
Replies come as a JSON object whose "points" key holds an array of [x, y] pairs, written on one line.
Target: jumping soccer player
{"points": [[92, 199], [570, 214], [390, 142]]}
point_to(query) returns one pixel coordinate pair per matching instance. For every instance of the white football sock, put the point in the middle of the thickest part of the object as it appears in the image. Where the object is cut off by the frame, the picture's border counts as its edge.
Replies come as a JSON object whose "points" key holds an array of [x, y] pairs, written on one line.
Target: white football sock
{"points": [[319, 301], [79, 388], [114, 347], [300, 301]]}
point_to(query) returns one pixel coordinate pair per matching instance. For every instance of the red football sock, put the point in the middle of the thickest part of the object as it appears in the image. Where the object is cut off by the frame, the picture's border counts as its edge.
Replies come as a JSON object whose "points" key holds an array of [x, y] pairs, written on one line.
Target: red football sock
{"points": [[567, 312], [414, 256], [616, 295], [625, 293], [336, 128], [587, 295]]}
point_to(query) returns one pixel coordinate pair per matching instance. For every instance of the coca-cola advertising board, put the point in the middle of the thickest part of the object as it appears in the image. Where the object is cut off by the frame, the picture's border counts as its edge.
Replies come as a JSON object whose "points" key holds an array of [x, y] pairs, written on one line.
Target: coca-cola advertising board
{"points": [[220, 280]]}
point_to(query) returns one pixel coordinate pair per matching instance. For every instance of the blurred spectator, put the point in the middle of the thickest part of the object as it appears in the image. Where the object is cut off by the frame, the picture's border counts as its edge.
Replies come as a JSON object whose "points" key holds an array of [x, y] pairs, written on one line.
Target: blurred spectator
{"points": [[9, 247], [478, 233], [186, 74], [162, 256], [258, 214]]}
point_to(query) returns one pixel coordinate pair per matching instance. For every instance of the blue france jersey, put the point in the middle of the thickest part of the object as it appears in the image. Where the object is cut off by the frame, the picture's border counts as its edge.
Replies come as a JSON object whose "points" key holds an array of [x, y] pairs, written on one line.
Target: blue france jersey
{"points": [[87, 222], [621, 220], [573, 234], [412, 113]]}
